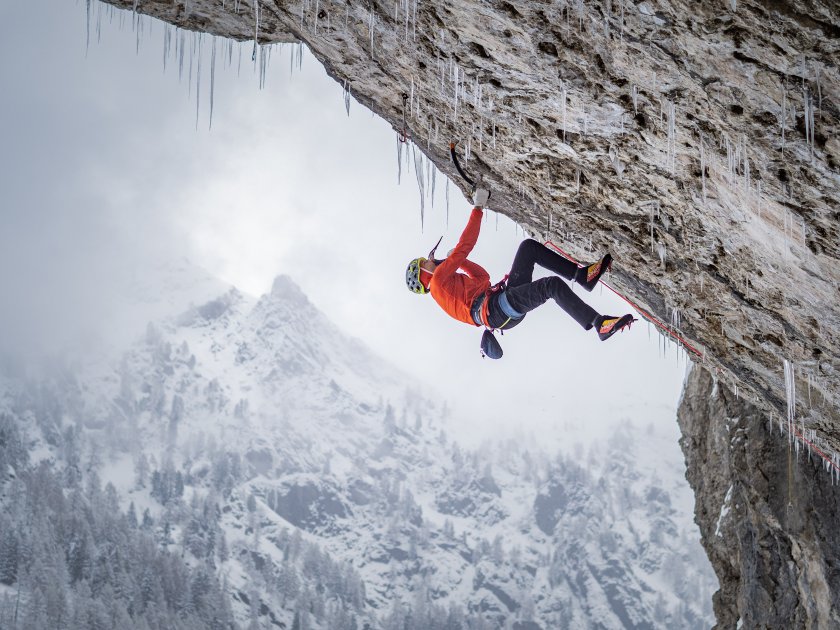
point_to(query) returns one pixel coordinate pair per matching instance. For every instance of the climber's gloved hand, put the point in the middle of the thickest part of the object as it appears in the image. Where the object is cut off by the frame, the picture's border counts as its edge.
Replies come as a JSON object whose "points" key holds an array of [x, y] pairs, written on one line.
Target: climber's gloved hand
{"points": [[480, 197]]}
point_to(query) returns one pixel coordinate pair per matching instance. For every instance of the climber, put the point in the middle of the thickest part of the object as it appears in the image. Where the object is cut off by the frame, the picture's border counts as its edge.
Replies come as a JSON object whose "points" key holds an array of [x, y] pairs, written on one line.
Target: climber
{"points": [[468, 296]]}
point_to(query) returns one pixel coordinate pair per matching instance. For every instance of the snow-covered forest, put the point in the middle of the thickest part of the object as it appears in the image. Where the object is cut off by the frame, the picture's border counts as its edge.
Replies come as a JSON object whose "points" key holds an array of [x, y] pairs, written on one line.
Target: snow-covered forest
{"points": [[187, 484]]}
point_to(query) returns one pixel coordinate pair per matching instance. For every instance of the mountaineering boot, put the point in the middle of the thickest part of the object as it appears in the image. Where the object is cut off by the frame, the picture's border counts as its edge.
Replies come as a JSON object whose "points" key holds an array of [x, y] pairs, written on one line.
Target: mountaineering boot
{"points": [[588, 275], [607, 325]]}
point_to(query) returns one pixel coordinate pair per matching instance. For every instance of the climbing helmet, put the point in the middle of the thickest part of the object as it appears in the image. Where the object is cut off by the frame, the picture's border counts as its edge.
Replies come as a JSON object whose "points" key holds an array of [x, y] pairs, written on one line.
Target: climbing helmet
{"points": [[412, 276]]}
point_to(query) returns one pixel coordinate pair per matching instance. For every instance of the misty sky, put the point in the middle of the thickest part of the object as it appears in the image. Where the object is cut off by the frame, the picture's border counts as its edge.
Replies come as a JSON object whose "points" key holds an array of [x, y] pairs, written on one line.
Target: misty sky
{"points": [[106, 176]]}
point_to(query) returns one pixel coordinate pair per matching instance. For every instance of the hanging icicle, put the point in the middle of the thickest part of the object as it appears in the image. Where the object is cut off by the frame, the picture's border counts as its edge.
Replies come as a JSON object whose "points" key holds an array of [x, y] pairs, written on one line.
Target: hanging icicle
{"points": [[421, 184], [212, 79]]}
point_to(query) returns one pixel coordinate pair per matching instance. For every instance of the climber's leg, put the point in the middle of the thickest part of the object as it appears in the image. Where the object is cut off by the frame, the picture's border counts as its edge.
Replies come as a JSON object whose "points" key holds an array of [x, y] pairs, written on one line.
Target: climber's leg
{"points": [[526, 297], [532, 253]]}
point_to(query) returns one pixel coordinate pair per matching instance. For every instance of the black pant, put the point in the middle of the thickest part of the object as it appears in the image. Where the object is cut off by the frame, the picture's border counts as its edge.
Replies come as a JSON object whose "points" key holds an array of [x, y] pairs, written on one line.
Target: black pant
{"points": [[526, 294]]}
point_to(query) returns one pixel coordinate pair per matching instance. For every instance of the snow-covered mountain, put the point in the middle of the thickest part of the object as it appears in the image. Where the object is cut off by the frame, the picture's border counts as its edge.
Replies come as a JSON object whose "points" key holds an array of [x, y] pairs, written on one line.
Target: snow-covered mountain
{"points": [[318, 487]]}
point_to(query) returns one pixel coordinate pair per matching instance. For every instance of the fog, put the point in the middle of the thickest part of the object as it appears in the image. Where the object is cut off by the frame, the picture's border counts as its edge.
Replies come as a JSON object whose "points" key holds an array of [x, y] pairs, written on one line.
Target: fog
{"points": [[109, 177]]}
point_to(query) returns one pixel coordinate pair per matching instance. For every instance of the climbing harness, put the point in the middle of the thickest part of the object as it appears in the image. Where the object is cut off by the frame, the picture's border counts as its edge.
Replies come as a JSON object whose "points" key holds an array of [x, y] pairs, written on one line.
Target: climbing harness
{"points": [[480, 312]]}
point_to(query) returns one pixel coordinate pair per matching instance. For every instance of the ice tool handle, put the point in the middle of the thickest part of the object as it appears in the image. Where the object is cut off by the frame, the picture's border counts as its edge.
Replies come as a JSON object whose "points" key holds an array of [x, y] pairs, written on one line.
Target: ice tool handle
{"points": [[460, 170]]}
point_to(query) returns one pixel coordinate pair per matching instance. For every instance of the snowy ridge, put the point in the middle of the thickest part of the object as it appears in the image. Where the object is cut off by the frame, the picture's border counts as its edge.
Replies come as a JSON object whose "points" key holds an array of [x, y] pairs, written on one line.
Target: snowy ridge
{"points": [[255, 437]]}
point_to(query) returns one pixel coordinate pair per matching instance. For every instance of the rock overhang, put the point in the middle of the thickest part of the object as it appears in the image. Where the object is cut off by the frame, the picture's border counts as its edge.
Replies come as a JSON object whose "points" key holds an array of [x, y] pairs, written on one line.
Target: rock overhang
{"points": [[697, 143]]}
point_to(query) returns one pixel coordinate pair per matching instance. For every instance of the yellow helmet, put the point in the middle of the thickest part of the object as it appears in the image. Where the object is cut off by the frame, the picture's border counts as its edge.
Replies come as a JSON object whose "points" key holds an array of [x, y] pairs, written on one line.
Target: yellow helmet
{"points": [[412, 276]]}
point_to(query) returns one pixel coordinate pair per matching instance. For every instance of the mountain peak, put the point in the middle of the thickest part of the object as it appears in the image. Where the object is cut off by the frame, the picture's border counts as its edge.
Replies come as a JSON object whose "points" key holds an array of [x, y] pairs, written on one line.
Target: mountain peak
{"points": [[286, 288]]}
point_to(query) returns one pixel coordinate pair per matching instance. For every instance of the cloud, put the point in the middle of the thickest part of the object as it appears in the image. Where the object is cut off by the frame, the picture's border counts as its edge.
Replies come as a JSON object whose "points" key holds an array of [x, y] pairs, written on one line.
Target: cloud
{"points": [[81, 211], [106, 179]]}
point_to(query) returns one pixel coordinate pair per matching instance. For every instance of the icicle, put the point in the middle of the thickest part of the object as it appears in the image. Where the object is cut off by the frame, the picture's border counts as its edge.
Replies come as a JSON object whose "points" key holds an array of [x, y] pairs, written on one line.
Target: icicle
{"points": [[421, 184], [672, 136], [428, 170], [192, 54], [370, 27], [181, 56], [662, 251], [455, 116], [617, 164], [746, 164], [790, 393], [99, 23], [447, 202], [607, 13], [347, 96], [730, 160], [621, 34], [256, 29], [212, 79], [400, 144], [198, 82], [87, 27]]}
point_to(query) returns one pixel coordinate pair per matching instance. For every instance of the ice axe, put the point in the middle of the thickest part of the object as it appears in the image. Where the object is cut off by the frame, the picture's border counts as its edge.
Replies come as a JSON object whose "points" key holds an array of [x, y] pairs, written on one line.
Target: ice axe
{"points": [[474, 184], [460, 170]]}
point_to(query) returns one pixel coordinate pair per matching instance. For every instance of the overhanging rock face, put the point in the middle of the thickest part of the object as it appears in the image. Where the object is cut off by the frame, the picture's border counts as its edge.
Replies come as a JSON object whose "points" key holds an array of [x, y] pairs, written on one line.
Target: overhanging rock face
{"points": [[591, 120], [695, 141]]}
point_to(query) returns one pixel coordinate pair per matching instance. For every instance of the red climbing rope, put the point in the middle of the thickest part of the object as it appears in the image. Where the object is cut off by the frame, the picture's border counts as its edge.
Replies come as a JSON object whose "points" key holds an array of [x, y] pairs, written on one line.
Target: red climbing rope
{"points": [[815, 448], [670, 331], [658, 323]]}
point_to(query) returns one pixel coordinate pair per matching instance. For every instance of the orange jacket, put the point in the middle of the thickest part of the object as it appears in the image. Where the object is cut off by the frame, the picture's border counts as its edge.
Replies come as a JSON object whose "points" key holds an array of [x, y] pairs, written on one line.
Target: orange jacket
{"points": [[455, 291]]}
